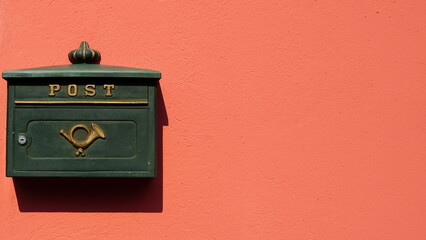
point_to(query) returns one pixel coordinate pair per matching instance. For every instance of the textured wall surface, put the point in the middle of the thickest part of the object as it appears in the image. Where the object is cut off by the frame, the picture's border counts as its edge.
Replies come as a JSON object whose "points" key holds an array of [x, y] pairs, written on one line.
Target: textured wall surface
{"points": [[281, 119]]}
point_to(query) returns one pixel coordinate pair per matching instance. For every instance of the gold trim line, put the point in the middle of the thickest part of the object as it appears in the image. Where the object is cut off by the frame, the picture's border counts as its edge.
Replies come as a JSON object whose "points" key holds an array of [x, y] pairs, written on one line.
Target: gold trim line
{"points": [[142, 102]]}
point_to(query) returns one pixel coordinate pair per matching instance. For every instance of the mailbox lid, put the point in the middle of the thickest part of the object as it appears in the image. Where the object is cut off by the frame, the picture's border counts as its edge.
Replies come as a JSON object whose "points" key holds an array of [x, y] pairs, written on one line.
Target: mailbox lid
{"points": [[82, 71], [125, 144]]}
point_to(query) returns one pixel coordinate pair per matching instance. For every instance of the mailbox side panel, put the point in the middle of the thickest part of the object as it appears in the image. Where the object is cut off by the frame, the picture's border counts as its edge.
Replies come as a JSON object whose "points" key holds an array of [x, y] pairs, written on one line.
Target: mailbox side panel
{"points": [[152, 131], [9, 129]]}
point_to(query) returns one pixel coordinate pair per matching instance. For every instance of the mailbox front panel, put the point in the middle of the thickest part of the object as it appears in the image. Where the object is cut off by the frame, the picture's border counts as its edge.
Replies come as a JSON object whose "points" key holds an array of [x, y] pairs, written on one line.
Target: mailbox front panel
{"points": [[81, 127]]}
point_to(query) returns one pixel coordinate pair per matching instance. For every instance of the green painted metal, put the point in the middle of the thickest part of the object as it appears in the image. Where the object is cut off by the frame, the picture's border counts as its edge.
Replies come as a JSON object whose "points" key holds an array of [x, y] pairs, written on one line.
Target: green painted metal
{"points": [[84, 55], [129, 91], [83, 71], [37, 112]]}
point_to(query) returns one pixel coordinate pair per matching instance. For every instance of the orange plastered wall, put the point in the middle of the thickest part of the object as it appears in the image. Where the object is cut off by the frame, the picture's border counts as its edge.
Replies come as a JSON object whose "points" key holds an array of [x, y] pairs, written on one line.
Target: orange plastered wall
{"points": [[279, 119]]}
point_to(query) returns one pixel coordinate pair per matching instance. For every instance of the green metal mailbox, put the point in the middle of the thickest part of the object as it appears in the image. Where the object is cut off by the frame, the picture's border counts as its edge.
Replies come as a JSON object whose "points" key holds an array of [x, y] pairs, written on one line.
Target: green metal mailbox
{"points": [[81, 120]]}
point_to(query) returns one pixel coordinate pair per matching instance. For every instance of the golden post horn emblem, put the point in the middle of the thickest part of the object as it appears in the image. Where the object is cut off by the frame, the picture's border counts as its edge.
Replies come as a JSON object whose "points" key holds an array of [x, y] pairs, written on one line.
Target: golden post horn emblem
{"points": [[92, 134]]}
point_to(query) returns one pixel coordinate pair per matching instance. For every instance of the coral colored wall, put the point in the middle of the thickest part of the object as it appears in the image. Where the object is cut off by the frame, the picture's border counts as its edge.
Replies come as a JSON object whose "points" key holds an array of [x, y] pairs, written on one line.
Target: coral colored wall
{"points": [[279, 119]]}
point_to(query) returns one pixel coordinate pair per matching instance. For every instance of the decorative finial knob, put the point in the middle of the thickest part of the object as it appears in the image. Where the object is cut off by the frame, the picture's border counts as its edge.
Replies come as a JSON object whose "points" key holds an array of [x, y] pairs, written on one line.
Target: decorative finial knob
{"points": [[84, 55]]}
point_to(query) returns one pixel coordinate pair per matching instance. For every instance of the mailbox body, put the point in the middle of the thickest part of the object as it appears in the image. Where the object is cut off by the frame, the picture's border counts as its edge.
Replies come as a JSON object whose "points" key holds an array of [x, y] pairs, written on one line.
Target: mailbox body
{"points": [[81, 120]]}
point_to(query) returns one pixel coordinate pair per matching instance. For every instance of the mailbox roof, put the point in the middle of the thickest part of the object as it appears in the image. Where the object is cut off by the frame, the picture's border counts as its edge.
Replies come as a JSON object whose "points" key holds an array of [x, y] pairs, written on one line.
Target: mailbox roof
{"points": [[82, 71]]}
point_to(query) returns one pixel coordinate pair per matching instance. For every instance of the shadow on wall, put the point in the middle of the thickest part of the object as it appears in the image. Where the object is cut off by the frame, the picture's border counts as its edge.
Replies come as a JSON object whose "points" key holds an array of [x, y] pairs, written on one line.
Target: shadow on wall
{"points": [[97, 194]]}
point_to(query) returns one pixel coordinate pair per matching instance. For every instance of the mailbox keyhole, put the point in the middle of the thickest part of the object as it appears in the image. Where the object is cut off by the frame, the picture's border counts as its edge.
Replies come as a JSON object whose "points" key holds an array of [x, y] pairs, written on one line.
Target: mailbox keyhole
{"points": [[22, 139]]}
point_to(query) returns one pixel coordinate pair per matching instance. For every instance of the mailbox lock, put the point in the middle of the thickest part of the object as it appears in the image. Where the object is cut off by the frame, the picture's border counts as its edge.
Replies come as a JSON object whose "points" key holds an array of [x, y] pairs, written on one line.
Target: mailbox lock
{"points": [[22, 139]]}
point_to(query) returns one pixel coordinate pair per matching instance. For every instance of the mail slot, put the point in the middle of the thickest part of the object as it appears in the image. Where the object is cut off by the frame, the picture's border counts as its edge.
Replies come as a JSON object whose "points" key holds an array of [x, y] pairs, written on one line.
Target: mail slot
{"points": [[81, 120]]}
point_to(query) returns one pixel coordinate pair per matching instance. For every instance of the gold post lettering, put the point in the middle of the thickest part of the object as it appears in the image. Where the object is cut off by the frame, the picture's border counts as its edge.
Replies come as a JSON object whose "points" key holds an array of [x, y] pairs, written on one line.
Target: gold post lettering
{"points": [[109, 88], [72, 90], [53, 89], [90, 90]]}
